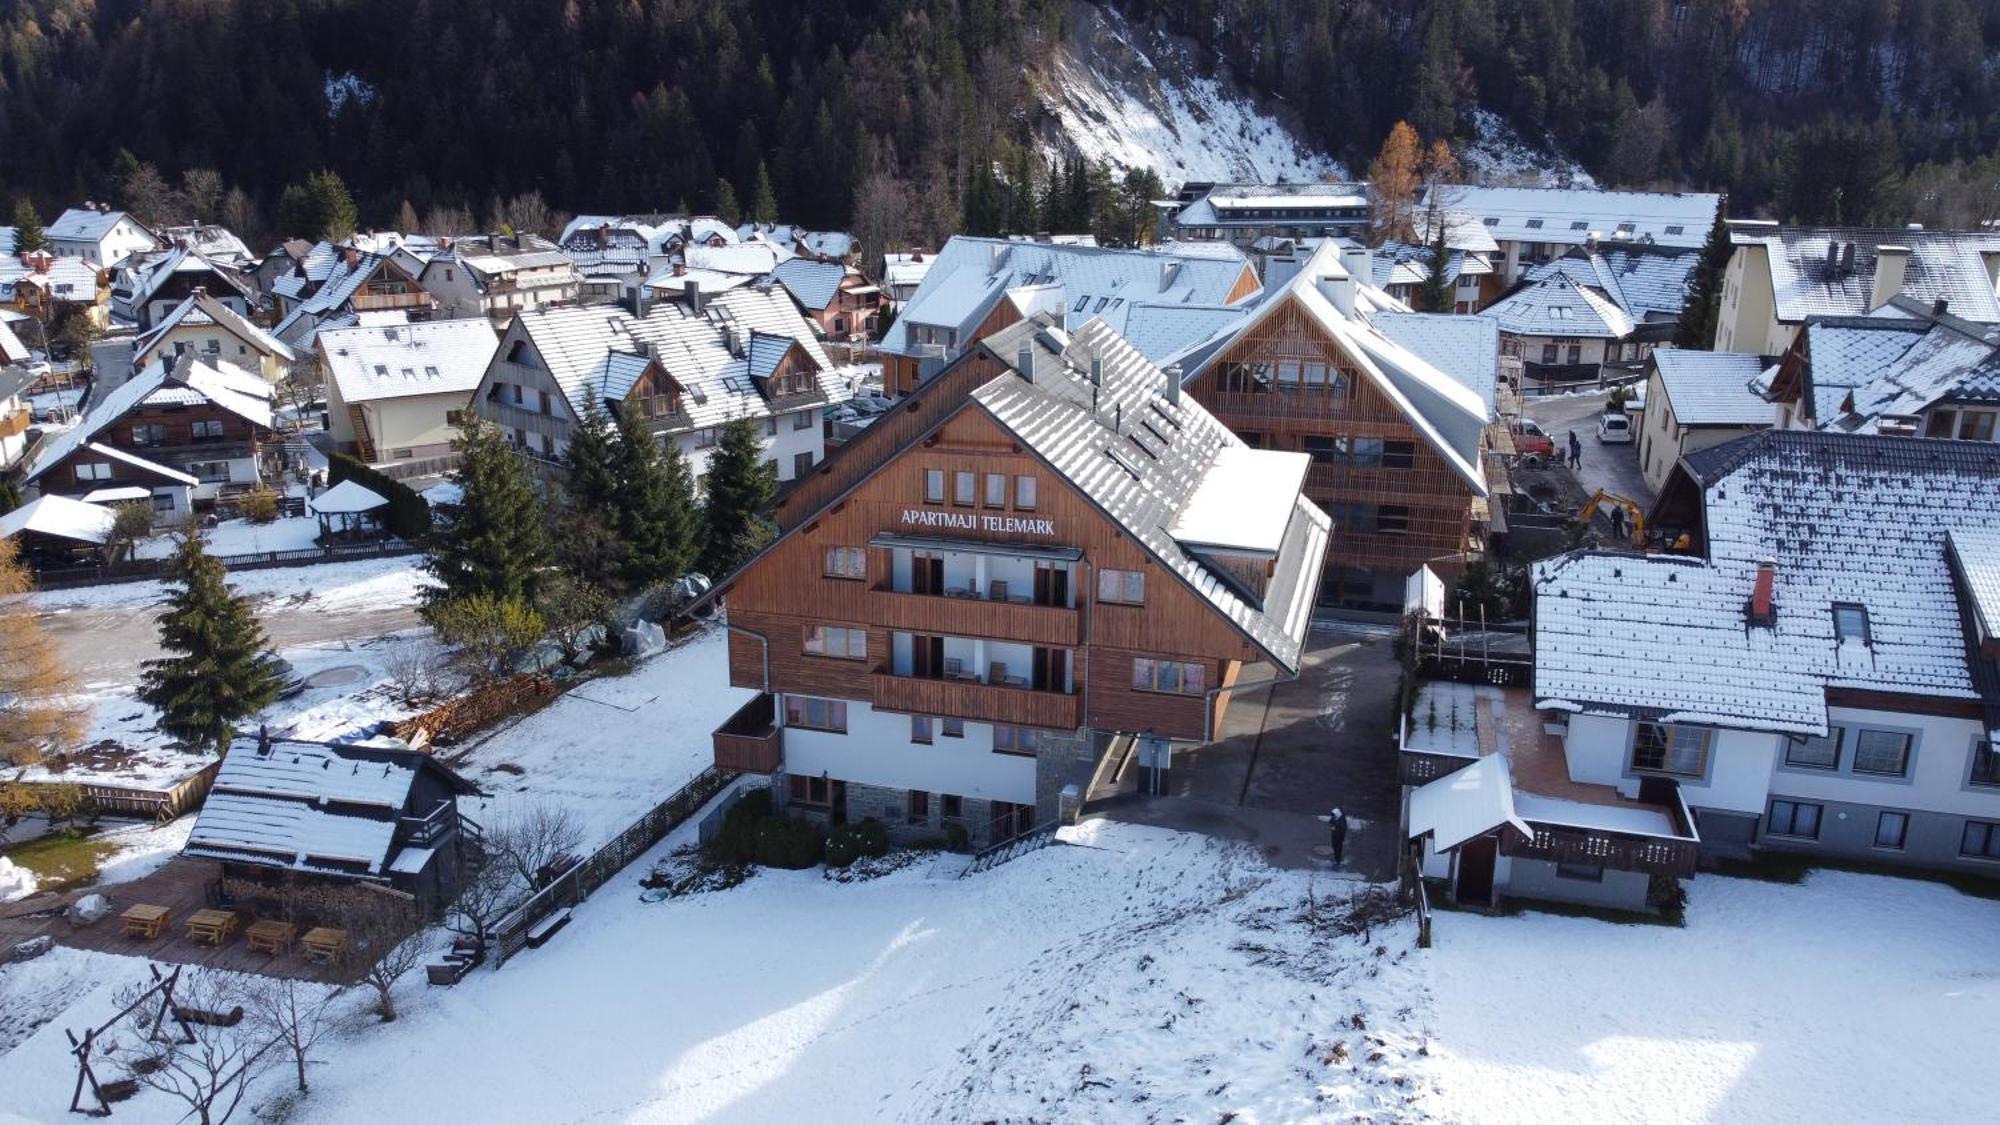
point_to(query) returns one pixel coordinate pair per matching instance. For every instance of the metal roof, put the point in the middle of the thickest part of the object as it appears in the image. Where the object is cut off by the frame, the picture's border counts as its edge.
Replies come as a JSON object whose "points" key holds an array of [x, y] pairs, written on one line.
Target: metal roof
{"points": [[1713, 388], [402, 360]]}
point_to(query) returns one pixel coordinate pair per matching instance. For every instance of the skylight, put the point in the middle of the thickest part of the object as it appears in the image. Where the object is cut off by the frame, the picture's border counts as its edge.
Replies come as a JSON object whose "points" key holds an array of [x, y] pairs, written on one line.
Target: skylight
{"points": [[1123, 462], [1850, 622], [1534, 224], [1578, 225], [1676, 230]]}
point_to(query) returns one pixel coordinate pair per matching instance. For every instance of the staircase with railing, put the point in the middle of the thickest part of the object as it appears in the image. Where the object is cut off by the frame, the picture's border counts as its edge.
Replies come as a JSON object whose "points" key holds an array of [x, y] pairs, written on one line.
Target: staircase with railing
{"points": [[1012, 848]]}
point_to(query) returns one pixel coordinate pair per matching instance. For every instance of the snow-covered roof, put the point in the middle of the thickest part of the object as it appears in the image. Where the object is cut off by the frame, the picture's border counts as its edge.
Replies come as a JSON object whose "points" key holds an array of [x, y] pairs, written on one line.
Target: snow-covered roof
{"points": [[1559, 306], [1225, 204], [302, 324], [1175, 333], [1573, 216], [1467, 348], [117, 495], [10, 237], [1947, 265], [141, 463], [903, 270], [68, 279], [967, 279], [813, 284], [12, 350], [349, 497], [1849, 519], [754, 259], [203, 309], [1146, 475], [81, 224], [1975, 552], [1713, 388], [217, 243], [1643, 281], [227, 386], [437, 357], [1244, 502], [1466, 804], [708, 281], [145, 276], [61, 517]]}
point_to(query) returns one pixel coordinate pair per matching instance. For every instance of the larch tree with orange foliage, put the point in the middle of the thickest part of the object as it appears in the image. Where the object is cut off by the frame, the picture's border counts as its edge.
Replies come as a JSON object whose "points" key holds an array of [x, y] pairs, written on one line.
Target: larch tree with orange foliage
{"points": [[37, 713]]}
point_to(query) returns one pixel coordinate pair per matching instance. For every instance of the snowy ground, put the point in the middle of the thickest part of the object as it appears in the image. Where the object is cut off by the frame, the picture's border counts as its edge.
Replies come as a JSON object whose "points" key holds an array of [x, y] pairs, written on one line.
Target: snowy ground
{"points": [[242, 537], [1502, 157], [322, 588]]}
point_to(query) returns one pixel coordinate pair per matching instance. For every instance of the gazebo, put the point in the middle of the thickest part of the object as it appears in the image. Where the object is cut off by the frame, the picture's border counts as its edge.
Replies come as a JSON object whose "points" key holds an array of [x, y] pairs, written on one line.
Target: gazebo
{"points": [[354, 506]]}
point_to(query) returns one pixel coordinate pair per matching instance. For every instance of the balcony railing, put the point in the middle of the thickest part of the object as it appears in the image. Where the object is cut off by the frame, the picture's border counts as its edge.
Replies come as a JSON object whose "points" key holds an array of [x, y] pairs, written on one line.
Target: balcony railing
{"points": [[956, 616], [982, 702], [423, 831], [1419, 767], [372, 302], [751, 740], [1620, 851]]}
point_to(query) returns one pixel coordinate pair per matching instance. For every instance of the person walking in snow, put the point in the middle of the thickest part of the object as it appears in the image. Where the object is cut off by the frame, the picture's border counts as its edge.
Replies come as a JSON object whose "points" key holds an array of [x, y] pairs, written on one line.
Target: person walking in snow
{"points": [[1575, 451], [1336, 823]]}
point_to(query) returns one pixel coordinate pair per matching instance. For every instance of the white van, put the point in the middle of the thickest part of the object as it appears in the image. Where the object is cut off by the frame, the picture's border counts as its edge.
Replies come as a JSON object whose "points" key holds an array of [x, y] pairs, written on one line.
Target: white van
{"points": [[1615, 428]]}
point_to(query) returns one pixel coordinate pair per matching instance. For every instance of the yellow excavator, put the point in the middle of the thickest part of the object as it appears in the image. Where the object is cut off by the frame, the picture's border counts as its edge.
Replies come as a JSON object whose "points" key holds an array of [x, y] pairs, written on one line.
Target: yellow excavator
{"points": [[1635, 522]]}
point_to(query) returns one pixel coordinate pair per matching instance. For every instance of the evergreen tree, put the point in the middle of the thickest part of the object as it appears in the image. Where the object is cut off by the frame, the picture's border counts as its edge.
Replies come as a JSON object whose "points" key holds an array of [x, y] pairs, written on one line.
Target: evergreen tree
{"points": [[741, 486], [318, 208], [585, 518], [726, 206], [28, 234], [493, 540], [656, 509], [1435, 293], [216, 673], [764, 205], [1702, 308]]}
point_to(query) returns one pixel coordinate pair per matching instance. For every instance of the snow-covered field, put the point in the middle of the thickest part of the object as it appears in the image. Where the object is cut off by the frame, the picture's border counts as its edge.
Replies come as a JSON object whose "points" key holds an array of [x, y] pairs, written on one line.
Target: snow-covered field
{"points": [[322, 588], [242, 537]]}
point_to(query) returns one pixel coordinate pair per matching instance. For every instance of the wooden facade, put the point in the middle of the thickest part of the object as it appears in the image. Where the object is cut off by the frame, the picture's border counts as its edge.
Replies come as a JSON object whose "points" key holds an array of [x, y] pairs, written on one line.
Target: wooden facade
{"points": [[1394, 508], [868, 492], [174, 436]]}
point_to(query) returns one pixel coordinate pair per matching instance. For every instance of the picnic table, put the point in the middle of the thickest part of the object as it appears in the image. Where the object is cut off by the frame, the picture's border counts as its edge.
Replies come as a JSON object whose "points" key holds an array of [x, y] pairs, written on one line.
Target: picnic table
{"points": [[211, 927], [269, 936], [324, 943], [144, 921]]}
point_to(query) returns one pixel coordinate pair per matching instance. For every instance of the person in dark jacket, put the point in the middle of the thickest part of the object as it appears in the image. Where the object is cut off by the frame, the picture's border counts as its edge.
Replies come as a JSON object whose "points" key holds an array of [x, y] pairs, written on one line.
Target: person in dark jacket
{"points": [[1575, 451], [1336, 823]]}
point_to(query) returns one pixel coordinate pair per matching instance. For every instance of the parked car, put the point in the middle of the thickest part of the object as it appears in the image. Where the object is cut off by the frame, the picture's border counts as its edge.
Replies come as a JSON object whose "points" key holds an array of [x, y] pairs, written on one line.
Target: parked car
{"points": [[1529, 438], [1614, 428]]}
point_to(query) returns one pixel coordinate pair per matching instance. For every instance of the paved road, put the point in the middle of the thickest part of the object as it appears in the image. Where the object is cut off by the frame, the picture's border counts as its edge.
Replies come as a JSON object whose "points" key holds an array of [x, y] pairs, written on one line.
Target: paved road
{"points": [[107, 645], [1614, 468]]}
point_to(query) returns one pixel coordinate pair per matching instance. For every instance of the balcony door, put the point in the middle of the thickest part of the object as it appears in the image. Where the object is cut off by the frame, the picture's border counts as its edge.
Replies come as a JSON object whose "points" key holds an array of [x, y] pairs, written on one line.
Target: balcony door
{"points": [[927, 657], [1051, 585], [1051, 669], [926, 573]]}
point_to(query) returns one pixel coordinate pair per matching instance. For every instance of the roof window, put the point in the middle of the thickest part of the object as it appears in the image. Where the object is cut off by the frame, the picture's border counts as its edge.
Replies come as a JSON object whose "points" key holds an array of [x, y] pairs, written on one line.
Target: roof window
{"points": [[1534, 224], [1491, 221], [1850, 622], [1676, 230], [1626, 228], [1578, 225], [1123, 462]]}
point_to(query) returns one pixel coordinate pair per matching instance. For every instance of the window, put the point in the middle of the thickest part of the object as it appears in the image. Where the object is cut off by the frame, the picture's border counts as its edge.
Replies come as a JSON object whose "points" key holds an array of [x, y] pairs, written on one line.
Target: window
{"points": [[920, 729], [208, 429], [1676, 230], [1985, 763], [809, 713], [811, 791], [1581, 872], [1399, 454], [1794, 818], [964, 486], [1122, 587], [151, 434], [1890, 829], [1881, 752], [803, 420], [1579, 225], [996, 490], [1575, 354], [707, 438], [1009, 739], [1681, 750], [952, 728], [953, 806], [1323, 450], [1981, 840], [919, 811], [1820, 752], [1975, 425], [163, 502], [1850, 622], [1392, 519], [1548, 353], [94, 470], [934, 486], [454, 417], [1173, 677], [846, 562], [1534, 224], [770, 425], [837, 642], [1366, 453], [802, 464], [209, 472], [1941, 423], [402, 454], [1024, 493]]}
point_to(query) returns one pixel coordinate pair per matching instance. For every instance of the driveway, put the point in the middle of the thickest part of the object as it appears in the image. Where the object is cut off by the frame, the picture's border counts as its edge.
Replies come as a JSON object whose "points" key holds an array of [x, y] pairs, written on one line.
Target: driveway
{"points": [[1291, 752], [1613, 468]]}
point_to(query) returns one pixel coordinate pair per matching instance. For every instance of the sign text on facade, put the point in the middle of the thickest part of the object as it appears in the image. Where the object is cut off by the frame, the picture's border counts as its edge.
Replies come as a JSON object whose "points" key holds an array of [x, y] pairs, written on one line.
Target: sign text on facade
{"points": [[976, 521]]}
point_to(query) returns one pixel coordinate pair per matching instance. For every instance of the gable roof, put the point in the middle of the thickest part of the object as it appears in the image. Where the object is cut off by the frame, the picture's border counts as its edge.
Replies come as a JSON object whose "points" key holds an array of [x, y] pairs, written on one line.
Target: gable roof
{"points": [[61, 518], [401, 360], [81, 224], [1557, 305], [187, 380], [147, 278], [1467, 348], [1848, 519], [1947, 265], [331, 299], [12, 350], [1571, 216], [812, 284], [202, 309], [1713, 388], [1643, 281]]}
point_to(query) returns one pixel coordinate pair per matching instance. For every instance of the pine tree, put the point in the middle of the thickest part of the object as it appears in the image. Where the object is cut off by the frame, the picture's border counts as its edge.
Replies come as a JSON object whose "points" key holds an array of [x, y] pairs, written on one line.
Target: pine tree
{"points": [[333, 207], [656, 509], [1435, 293], [741, 486], [40, 715], [726, 206], [28, 234], [216, 673], [1702, 308], [585, 517], [764, 204], [493, 540]]}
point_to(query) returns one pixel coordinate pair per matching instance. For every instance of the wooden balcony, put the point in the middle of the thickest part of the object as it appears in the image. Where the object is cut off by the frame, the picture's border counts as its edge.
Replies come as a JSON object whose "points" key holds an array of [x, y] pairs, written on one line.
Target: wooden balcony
{"points": [[970, 699], [1620, 851], [376, 302], [1416, 767], [751, 740], [1051, 626], [1257, 410]]}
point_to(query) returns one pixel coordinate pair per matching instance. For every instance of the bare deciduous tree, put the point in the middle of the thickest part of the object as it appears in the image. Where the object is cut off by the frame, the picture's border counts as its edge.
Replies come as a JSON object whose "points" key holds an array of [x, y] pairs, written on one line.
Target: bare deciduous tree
{"points": [[532, 839], [391, 939], [293, 1014], [486, 895], [415, 672], [210, 1074]]}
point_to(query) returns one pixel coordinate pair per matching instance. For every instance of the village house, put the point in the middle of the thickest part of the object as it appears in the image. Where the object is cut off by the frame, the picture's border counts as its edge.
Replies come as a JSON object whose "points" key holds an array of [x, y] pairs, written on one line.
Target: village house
{"points": [[187, 431], [51, 289], [1695, 399], [1779, 276], [1909, 370], [398, 393], [903, 272], [686, 368], [1244, 213], [98, 236], [218, 244], [1536, 225], [819, 246], [1594, 312], [1048, 551], [151, 285], [285, 268], [977, 286], [359, 284], [284, 812], [831, 295], [497, 275], [211, 328], [15, 415], [1402, 268], [1395, 443]]}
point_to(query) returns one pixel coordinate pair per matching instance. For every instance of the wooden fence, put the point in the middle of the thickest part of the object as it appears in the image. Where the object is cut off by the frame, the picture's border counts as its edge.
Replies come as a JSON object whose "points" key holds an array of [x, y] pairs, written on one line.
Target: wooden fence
{"points": [[139, 570], [510, 935]]}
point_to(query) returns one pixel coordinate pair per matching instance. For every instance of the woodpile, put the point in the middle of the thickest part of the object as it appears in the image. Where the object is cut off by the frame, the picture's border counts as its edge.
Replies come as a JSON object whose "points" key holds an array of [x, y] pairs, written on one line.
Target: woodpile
{"points": [[482, 706]]}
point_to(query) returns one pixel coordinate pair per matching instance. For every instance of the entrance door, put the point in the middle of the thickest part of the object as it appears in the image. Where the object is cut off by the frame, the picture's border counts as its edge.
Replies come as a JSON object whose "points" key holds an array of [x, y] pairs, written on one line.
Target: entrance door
{"points": [[1475, 871], [927, 657], [838, 810]]}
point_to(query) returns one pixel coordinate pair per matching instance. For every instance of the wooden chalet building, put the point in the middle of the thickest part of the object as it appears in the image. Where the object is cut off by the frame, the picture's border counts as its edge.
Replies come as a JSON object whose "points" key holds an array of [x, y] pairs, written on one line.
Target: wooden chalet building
{"points": [[1393, 437], [357, 282], [1041, 549]]}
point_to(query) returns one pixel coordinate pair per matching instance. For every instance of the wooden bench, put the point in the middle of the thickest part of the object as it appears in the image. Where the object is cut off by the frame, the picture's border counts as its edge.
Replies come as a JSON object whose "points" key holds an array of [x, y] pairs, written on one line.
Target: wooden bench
{"points": [[269, 936], [211, 927], [144, 921], [324, 943], [542, 931]]}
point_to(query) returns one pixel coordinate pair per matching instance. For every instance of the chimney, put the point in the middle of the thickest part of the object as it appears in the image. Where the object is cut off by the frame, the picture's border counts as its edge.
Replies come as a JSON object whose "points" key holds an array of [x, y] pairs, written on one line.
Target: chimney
{"points": [[1096, 370], [642, 300], [1174, 377], [352, 256], [1940, 306], [1891, 263], [1913, 226], [1168, 270], [1762, 612], [1833, 258], [1024, 361], [733, 336], [680, 269], [1847, 259], [693, 291], [263, 740], [1339, 289]]}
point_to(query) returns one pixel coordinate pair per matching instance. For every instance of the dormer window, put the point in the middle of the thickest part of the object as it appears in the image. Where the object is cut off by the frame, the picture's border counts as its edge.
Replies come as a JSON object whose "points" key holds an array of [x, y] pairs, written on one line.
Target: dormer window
{"points": [[1850, 622]]}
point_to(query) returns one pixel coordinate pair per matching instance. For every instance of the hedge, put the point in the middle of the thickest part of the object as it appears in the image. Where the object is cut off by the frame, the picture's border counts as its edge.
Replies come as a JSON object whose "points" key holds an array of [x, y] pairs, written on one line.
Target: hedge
{"points": [[409, 515]]}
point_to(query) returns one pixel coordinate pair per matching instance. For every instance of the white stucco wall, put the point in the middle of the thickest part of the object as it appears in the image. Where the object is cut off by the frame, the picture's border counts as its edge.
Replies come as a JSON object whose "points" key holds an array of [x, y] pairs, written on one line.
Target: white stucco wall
{"points": [[1940, 764], [876, 750]]}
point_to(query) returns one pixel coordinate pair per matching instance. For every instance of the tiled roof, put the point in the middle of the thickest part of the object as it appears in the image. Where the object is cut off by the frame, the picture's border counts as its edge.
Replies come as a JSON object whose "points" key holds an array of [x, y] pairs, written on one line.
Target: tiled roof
{"points": [[1642, 281], [196, 379], [395, 361], [1143, 483], [1976, 551], [1848, 519], [1177, 333], [1559, 306], [1942, 264], [1713, 388], [83, 225], [204, 309], [813, 284], [1570, 216]]}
